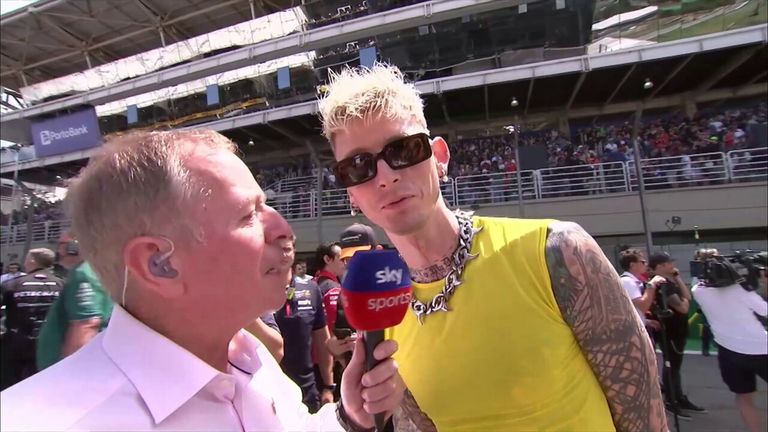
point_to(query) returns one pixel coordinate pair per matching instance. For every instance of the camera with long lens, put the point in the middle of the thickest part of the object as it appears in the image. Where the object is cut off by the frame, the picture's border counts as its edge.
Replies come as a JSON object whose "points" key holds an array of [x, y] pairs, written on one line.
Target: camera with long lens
{"points": [[742, 267]]}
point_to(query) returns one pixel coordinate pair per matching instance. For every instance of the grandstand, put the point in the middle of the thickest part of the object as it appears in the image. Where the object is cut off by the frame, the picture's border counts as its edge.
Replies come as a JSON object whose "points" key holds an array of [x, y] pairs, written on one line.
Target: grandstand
{"points": [[469, 59]]}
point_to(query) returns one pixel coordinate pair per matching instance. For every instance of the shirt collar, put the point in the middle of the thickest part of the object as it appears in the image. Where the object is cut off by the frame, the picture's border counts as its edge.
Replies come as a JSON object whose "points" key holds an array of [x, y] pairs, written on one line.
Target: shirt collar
{"points": [[166, 375], [326, 274], [628, 274]]}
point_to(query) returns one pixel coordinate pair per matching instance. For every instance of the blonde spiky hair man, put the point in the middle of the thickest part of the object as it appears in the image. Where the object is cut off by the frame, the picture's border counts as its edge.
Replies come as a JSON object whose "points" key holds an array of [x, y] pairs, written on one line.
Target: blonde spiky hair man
{"points": [[515, 324]]}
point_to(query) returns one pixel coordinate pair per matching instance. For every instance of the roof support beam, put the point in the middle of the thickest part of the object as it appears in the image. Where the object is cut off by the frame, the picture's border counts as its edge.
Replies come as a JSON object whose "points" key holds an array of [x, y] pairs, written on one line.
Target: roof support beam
{"points": [[80, 42], [575, 91], [92, 18], [35, 44], [670, 76], [735, 61], [758, 77], [485, 101], [290, 135], [214, 6], [444, 108], [149, 11], [621, 84], [528, 98]]}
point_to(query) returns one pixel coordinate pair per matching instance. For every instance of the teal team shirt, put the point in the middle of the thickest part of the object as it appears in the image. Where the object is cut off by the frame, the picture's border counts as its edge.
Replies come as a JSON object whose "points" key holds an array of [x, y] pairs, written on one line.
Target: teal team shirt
{"points": [[83, 298]]}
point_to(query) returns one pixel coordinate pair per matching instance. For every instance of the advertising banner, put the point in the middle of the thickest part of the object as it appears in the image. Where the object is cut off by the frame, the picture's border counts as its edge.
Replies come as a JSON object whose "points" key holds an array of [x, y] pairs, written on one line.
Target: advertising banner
{"points": [[66, 133]]}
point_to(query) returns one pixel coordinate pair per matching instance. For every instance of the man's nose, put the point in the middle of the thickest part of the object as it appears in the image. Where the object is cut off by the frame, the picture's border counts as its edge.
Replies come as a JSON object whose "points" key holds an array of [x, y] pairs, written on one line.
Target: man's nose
{"points": [[385, 176], [275, 226]]}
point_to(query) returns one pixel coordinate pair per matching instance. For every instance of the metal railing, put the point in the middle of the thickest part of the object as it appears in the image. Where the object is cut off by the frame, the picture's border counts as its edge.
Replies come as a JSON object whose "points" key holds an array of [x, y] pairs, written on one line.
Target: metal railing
{"points": [[585, 179], [290, 184], [748, 165], [681, 171], [41, 232], [495, 188]]}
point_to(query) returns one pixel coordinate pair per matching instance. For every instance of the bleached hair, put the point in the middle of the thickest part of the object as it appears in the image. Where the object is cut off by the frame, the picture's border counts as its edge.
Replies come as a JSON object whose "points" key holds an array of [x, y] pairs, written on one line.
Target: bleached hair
{"points": [[137, 184], [367, 94]]}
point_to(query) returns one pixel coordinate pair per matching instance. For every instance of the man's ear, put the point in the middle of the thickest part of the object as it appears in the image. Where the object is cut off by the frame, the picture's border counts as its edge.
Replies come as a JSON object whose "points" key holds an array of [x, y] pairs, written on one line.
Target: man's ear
{"points": [[440, 151], [137, 255], [379, 247]]}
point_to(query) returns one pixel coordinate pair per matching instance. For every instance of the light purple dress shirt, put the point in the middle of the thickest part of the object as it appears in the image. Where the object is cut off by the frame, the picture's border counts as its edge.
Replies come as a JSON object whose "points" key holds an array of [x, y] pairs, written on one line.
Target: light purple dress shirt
{"points": [[131, 378]]}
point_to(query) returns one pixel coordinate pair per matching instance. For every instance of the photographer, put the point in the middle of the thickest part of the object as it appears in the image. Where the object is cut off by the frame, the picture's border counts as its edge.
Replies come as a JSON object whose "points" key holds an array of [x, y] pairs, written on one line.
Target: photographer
{"points": [[671, 307], [641, 293], [742, 340]]}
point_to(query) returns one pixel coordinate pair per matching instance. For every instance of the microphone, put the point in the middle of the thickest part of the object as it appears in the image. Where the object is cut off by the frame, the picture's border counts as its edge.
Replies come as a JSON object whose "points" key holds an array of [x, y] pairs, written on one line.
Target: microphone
{"points": [[376, 293]]}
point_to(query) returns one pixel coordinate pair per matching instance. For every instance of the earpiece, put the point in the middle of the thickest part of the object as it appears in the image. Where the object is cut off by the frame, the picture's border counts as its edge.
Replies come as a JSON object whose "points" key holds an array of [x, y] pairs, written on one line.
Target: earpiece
{"points": [[73, 248], [160, 266]]}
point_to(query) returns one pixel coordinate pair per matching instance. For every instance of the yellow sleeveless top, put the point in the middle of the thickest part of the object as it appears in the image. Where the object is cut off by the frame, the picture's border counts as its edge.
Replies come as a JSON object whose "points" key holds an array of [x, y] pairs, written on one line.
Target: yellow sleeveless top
{"points": [[503, 358]]}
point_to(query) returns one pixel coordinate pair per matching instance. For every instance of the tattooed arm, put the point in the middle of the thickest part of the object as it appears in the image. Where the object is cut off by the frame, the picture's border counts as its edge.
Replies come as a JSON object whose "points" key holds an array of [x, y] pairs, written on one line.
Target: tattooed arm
{"points": [[604, 322]]}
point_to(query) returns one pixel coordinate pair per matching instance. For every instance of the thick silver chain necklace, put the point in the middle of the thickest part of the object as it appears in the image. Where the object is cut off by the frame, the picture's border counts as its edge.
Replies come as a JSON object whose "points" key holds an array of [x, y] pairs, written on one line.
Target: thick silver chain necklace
{"points": [[459, 261]]}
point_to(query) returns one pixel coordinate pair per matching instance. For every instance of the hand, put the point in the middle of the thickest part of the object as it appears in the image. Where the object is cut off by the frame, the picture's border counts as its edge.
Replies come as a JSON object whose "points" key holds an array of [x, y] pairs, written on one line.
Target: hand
{"points": [[653, 324], [379, 390], [657, 280], [326, 397], [337, 347]]}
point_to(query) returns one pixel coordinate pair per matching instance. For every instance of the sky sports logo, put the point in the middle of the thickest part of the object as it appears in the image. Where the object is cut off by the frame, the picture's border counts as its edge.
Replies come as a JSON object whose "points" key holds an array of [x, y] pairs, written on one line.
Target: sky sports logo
{"points": [[48, 137], [377, 304]]}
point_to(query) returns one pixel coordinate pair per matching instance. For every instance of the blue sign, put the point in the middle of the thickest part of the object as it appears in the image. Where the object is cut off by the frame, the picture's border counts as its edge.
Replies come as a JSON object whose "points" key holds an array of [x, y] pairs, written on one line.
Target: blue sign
{"points": [[132, 114], [66, 133], [368, 56], [283, 78], [212, 94]]}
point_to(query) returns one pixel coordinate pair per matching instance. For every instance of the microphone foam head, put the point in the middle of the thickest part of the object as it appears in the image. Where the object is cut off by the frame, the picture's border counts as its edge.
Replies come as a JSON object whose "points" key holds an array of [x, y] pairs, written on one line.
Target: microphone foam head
{"points": [[376, 291]]}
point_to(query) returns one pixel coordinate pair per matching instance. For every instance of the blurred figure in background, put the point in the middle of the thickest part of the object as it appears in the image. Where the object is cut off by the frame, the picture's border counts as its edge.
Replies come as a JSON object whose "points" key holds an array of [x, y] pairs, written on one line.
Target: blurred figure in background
{"points": [[13, 271], [302, 323], [300, 275], [27, 300], [741, 338], [82, 310]]}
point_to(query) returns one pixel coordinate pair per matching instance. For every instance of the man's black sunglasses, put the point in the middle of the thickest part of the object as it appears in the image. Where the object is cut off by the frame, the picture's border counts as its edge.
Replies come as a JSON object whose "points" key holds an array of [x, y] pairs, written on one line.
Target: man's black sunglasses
{"points": [[398, 154]]}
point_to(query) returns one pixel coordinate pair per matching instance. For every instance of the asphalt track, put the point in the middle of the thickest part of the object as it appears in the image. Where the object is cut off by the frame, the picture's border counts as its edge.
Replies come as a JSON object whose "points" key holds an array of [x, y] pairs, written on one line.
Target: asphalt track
{"points": [[702, 384]]}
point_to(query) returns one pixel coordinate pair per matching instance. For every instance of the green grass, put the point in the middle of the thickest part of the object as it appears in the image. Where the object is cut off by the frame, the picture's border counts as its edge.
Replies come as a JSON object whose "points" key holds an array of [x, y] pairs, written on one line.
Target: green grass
{"points": [[742, 17]]}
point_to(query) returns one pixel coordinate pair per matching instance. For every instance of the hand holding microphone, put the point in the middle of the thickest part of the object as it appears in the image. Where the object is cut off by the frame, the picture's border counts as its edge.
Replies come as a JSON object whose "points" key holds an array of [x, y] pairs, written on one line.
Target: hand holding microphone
{"points": [[376, 293]]}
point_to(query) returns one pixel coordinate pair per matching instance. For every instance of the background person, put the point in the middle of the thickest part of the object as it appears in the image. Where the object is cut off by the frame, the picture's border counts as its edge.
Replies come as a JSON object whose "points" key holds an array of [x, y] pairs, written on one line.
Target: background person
{"points": [[13, 271], [300, 275], [330, 267], [302, 323], [741, 339], [82, 310], [677, 299], [356, 237], [642, 294], [27, 300]]}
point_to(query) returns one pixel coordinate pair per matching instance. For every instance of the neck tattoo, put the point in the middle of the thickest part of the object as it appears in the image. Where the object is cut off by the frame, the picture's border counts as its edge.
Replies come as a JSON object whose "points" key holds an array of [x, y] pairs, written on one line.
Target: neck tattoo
{"points": [[433, 273], [456, 264]]}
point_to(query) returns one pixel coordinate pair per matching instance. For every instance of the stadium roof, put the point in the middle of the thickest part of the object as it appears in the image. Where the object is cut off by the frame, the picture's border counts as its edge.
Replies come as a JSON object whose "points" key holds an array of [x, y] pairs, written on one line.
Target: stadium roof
{"points": [[53, 38]]}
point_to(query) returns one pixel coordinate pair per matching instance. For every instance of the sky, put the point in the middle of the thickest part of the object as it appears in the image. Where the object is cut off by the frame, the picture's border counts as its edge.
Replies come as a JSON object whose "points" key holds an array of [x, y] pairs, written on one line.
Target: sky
{"points": [[11, 5]]}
